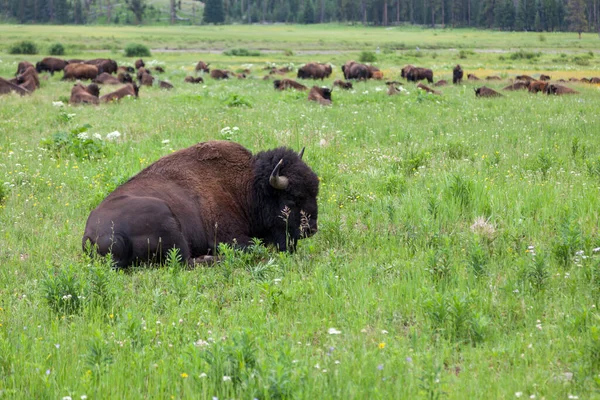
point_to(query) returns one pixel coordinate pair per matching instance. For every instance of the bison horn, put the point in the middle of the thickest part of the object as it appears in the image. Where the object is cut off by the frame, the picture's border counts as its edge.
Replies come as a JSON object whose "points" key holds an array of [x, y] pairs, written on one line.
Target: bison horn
{"points": [[301, 153], [278, 182]]}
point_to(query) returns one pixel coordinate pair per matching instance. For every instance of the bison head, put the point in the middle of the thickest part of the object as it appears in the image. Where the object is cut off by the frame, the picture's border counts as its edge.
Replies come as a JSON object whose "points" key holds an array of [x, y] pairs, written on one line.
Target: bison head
{"points": [[285, 198], [326, 93], [38, 67]]}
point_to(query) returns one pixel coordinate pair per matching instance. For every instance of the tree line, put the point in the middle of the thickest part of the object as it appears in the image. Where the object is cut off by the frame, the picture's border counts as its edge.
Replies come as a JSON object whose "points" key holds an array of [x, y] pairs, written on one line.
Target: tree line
{"points": [[521, 15]]}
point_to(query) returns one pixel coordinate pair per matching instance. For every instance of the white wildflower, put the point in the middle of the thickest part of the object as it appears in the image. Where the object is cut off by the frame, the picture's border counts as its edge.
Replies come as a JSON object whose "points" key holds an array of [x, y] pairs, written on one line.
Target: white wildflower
{"points": [[97, 136], [333, 331], [166, 141], [518, 394], [58, 104], [83, 136], [113, 135], [226, 378], [202, 375]]}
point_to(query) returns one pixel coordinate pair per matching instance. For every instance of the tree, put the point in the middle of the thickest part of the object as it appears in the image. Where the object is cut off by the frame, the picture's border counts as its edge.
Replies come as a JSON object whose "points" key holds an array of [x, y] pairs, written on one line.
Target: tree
{"points": [[138, 8], [576, 16], [213, 12], [308, 14]]}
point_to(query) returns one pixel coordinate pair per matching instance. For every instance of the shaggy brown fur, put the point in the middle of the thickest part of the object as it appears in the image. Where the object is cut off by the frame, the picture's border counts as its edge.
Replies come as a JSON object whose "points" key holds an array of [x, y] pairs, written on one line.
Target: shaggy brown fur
{"points": [[472, 77], [419, 74], [537, 86], [320, 95], [544, 77], [107, 79], [127, 90], [7, 87], [191, 79], [493, 78], [29, 74], [341, 84], [84, 94], [517, 86], [428, 89], [524, 78], [559, 90], [80, 71], [139, 64], [314, 70], [485, 91], [146, 80], [202, 66], [23, 65], [219, 74], [165, 85], [457, 75], [51, 64], [440, 83], [285, 83]]}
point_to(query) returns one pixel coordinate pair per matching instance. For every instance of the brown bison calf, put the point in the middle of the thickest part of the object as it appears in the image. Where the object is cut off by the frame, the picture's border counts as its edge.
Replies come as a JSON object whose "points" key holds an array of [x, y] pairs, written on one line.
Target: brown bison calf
{"points": [[322, 95], [284, 84], [127, 90], [219, 74], [85, 94], [191, 79], [485, 91], [341, 84], [80, 71]]}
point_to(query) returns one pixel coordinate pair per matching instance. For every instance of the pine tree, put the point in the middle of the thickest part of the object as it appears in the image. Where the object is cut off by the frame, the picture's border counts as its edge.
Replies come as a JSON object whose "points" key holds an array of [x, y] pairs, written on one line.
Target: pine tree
{"points": [[138, 8], [576, 16], [308, 14], [213, 12]]}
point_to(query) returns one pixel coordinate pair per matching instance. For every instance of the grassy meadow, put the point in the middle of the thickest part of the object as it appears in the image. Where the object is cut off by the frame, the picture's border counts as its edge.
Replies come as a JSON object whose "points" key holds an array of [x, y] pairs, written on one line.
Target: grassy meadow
{"points": [[458, 252]]}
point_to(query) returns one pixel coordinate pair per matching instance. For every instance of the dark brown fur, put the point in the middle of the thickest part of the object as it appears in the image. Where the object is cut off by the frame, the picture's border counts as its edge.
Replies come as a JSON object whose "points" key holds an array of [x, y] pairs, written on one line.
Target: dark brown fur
{"points": [[428, 89], [524, 78], [191, 79], [7, 87], [545, 77], [165, 85], [472, 77], [485, 91], [493, 78], [419, 74], [320, 95], [22, 66], [537, 86], [355, 70], [80, 71], [285, 83], [127, 90], [202, 66], [146, 79], [558, 90], [517, 86], [84, 94], [440, 83], [139, 63], [341, 84], [219, 74], [107, 79], [104, 65], [457, 75], [314, 70], [30, 74], [51, 64]]}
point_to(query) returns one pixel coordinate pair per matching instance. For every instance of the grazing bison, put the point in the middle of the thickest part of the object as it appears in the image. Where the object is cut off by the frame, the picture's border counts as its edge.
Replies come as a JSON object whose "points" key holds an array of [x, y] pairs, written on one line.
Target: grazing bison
{"points": [[418, 74], [493, 78], [537, 86], [80, 71], [139, 63], [219, 74], [75, 61], [51, 64], [22, 66], [485, 91], [525, 78], [544, 77], [457, 75], [585, 80], [574, 80], [7, 87], [440, 83], [107, 79], [85, 94], [191, 79], [104, 65], [322, 95], [594, 79], [472, 77], [284, 84], [427, 89], [314, 70], [202, 66], [559, 90], [341, 84], [191, 201], [404, 71], [354, 70], [165, 85], [128, 90], [517, 86]]}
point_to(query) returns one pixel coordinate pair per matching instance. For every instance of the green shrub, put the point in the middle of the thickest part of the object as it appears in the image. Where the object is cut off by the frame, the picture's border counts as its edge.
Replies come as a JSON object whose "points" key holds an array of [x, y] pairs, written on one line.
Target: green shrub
{"points": [[64, 291], [525, 55], [242, 53], [24, 47], [288, 53], [77, 142], [137, 50], [367, 56], [57, 49], [235, 100]]}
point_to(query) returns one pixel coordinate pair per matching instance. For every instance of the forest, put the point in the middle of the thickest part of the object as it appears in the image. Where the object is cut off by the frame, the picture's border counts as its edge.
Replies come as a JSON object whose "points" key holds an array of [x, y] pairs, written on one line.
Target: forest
{"points": [[510, 15]]}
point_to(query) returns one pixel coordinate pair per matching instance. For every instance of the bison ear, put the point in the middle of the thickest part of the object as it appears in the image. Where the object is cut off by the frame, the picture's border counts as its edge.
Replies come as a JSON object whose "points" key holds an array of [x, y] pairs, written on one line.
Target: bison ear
{"points": [[278, 182], [301, 153]]}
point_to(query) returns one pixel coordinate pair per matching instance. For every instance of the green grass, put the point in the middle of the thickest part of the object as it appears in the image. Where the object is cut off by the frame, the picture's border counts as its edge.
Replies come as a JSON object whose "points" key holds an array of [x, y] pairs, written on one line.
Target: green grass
{"points": [[448, 259]]}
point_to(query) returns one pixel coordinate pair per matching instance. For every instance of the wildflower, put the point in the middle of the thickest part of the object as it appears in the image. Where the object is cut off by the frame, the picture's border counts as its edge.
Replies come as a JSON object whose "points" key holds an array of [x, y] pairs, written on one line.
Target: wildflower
{"points": [[408, 359], [184, 375], [483, 227], [83, 136], [66, 398], [48, 372], [336, 362], [57, 346], [113, 135], [384, 331], [226, 378], [97, 136], [83, 397], [596, 249], [165, 141], [333, 331], [58, 104], [518, 394], [380, 367], [317, 366], [381, 345], [532, 396], [202, 375], [573, 397]]}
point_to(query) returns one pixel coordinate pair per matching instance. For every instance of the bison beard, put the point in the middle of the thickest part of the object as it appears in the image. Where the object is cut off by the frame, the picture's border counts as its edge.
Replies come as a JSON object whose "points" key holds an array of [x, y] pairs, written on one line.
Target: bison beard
{"points": [[196, 198]]}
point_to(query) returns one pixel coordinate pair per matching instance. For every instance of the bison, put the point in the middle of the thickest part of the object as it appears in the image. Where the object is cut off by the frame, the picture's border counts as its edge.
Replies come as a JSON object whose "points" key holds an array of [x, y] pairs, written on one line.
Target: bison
{"points": [[30, 74], [104, 65], [418, 74], [125, 69], [544, 77], [427, 89], [107, 79], [22, 66], [559, 90], [472, 77], [485, 91], [354, 70], [525, 78], [202, 66], [124, 77], [517, 86], [29, 82], [219, 74], [440, 83], [159, 69], [341, 84], [537, 86], [457, 75], [146, 79], [128, 90], [280, 71], [197, 198], [284, 84], [51, 64], [594, 80], [493, 78], [80, 71], [139, 63], [165, 85], [322, 95], [141, 71], [191, 79], [7, 87], [314, 70], [85, 94], [405, 70]]}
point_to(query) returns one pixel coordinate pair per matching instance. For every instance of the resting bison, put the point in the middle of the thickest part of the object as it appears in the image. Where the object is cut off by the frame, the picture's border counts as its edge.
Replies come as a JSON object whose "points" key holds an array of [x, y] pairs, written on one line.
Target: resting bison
{"points": [[418, 74], [280, 71], [124, 69], [472, 77], [159, 69], [202, 66], [595, 80], [141, 71], [537, 86], [219, 74], [191, 79], [457, 75], [7, 87], [517, 86], [146, 79], [139, 63], [284, 84], [440, 83], [196, 198], [354, 70], [80, 71], [485, 91], [314, 70], [22, 66], [525, 78], [544, 77], [393, 88], [493, 78], [29, 75], [84, 95], [427, 89], [124, 77], [322, 95], [559, 90], [128, 90], [165, 85], [107, 79], [51, 64], [341, 84], [103, 65], [574, 80]]}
